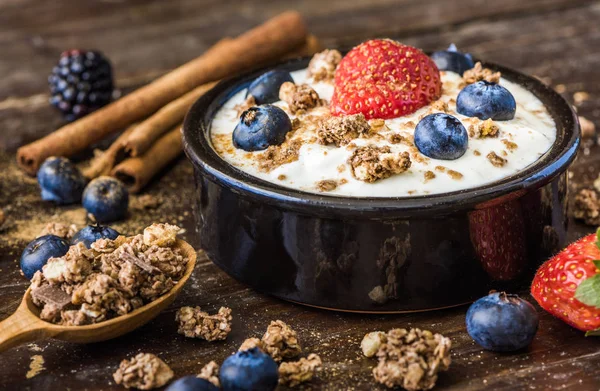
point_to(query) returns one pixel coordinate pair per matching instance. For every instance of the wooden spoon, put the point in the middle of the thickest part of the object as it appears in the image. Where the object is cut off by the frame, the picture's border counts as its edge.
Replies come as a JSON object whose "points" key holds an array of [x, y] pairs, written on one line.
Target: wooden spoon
{"points": [[25, 325]]}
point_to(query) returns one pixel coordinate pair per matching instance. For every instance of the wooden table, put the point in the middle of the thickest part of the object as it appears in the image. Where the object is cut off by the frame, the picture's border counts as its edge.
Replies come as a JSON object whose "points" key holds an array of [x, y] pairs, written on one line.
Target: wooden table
{"points": [[556, 40]]}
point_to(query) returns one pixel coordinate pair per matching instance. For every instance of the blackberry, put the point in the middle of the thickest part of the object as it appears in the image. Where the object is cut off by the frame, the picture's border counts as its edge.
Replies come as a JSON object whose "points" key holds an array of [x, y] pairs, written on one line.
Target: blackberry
{"points": [[81, 83]]}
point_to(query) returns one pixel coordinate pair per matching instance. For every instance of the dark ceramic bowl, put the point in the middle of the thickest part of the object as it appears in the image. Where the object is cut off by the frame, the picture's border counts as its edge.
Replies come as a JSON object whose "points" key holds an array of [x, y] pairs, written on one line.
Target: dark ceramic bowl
{"points": [[379, 254]]}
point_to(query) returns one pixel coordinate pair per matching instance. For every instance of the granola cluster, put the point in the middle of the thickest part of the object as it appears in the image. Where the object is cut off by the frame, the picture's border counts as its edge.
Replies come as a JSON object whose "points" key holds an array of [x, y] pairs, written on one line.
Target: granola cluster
{"points": [[277, 155], [370, 163], [297, 372], [299, 98], [478, 73], [280, 341], [112, 278], [342, 130], [195, 323], [411, 359], [482, 129], [144, 372], [59, 229], [210, 372], [586, 206], [496, 160], [322, 66]]}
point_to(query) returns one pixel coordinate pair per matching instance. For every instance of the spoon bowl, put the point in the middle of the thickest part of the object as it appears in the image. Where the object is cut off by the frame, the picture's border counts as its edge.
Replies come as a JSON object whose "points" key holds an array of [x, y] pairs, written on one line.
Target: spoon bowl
{"points": [[25, 324]]}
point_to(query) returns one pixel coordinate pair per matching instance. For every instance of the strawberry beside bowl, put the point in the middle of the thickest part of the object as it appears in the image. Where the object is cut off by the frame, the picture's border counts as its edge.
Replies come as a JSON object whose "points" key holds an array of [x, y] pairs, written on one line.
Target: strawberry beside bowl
{"points": [[379, 254]]}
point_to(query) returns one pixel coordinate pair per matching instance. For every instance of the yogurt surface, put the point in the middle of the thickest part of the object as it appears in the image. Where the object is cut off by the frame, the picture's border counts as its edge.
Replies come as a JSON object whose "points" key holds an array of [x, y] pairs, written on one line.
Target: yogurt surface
{"points": [[520, 142]]}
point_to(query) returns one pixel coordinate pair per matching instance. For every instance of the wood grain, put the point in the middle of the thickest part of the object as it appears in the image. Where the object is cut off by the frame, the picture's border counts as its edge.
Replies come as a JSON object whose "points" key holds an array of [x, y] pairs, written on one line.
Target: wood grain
{"points": [[558, 40]]}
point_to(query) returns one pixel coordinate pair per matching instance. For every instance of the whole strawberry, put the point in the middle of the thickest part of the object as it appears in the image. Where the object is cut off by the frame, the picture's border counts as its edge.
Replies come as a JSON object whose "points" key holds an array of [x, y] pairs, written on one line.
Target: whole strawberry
{"points": [[568, 285], [382, 78]]}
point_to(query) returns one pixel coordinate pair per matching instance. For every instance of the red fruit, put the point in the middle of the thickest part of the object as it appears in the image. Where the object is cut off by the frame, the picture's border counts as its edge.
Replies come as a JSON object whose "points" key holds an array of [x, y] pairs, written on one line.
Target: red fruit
{"points": [[384, 79], [498, 237], [568, 285]]}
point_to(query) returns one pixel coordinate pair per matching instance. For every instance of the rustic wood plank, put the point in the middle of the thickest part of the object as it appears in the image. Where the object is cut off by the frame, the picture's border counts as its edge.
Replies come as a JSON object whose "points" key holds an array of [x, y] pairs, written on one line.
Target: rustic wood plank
{"points": [[554, 39]]}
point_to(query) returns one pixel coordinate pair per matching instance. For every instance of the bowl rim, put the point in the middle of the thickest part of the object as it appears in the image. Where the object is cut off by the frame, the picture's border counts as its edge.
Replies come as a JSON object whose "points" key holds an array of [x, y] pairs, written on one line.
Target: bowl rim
{"points": [[198, 148]]}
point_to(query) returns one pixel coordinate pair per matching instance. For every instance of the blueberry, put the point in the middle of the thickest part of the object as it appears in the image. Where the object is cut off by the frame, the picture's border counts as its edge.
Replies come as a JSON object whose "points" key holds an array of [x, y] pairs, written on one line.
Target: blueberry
{"points": [[265, 88], [452, 60], [501, 322], [249, 370], [60, 181], [486, 100], [106, 198], [441, 136], [191, 383], [37, 253], [91, 233], [260, 127]]}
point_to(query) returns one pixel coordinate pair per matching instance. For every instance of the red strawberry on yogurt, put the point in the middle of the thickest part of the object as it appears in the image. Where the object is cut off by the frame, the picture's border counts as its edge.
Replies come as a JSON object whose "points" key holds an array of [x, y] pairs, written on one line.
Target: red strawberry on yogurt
{"points": [[384, 79]]}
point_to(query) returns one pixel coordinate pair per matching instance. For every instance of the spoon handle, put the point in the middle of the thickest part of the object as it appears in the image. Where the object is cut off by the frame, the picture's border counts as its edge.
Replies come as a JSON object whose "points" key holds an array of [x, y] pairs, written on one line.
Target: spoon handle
{"points": [[22, 327]]}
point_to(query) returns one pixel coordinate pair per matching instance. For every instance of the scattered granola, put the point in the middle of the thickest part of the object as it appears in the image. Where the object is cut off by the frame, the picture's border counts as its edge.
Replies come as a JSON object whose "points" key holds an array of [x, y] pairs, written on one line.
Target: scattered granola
{"points": [[342, 130], [412, 359], [454, 174], [112, 278], [482, 129], [249, 102], [322, 66], [371, 342], [377, 124], [297, 372], [588, 128], [586, 206], [478, 73], [429, 175], [299, 98], [144, 371], [277, 155], [496, 160], [509, 144], [476, 152], [281, 341], [210, 372], [370, 163], [195, 323], [59, 229], [254, 342], [327, 185]]}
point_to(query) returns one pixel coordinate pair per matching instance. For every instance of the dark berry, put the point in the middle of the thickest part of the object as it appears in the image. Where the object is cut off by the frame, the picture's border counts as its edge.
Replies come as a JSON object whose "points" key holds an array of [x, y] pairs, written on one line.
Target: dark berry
{"points": [[501, 322], [452, 60], [81, 83], [441, 136], [60, 181], [486, 100], [91, 233], [191, 383], [37, 253], [265, 88], [106, 198], [249, 370], [260, 127]]}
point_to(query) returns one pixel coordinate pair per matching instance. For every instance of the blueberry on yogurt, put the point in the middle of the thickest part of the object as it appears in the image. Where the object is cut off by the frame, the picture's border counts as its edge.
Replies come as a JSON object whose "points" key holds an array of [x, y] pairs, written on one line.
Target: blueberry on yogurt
{"points": [[91, 233], [441, 136], [260, 127], [60, 181], [38, 251], [106, 198], [265, 88], [486, 100], [249, 370], [191, 383], [452, 60]]}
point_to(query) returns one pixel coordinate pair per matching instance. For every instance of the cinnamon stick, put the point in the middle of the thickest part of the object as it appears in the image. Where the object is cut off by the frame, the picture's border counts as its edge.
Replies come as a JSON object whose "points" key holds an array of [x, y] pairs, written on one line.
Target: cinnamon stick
{"points": [[136, 172], [103, 164], [260, 45], [143, 135]]}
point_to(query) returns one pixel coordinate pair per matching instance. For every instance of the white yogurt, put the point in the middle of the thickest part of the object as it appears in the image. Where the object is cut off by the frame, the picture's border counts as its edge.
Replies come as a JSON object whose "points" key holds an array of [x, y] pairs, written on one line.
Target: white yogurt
{"points": [[532, 130]]}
